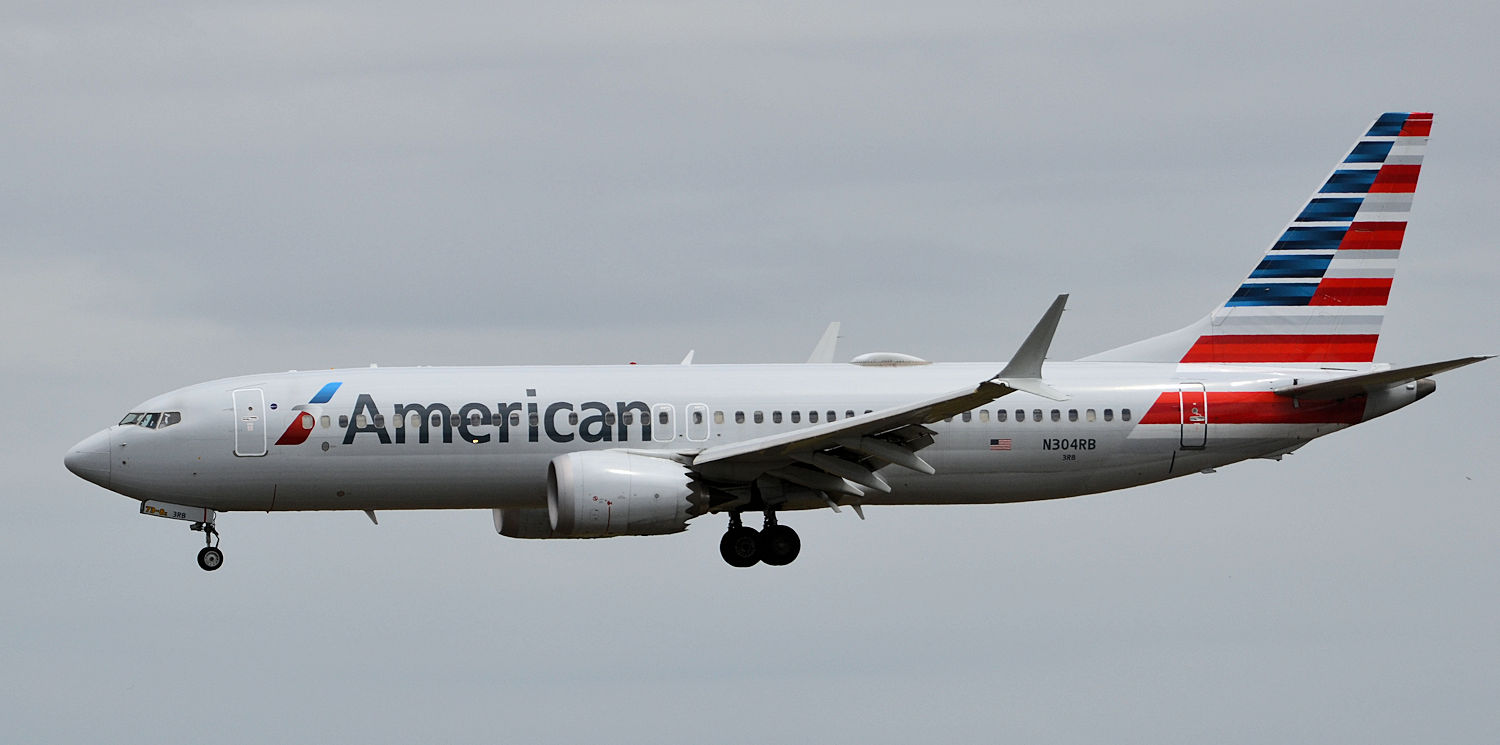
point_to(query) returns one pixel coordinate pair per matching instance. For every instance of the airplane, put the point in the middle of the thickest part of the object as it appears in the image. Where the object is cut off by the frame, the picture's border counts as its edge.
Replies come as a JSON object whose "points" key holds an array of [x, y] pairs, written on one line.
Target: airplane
{"points": [[613, 450]]}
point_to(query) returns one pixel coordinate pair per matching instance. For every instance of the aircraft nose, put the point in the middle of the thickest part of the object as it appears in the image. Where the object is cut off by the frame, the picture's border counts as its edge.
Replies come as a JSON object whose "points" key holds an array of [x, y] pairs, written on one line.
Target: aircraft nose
{"points": [[89, 460]]}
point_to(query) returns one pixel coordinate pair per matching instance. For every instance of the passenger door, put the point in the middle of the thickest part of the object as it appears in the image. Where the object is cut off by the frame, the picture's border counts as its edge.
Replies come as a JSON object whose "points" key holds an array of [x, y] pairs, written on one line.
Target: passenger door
{"points": [[249, 422]]}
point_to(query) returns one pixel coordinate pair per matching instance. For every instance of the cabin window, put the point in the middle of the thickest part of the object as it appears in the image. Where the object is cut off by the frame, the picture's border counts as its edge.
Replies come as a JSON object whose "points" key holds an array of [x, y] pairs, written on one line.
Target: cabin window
{"points": [[718, 417], [1036, 415], [663, 417], [1109, 415], [628, 418], [326, 421], [148, 420], [169, 418], [609, 418], [760, 417], [535, 419], [1000, 415], [305, 420], [475, 419], [343, 421], [380, 421], [1124, 415], [739, 417], [515, 419], [131, 418], [361, 421], [453, 420], [849, 414], [948, 419], [573, 418], [1056, 415], [984, 415], [1089, 415], [833, 416], [968, 416], [776, 417], [697, 416], [796, 417], [1072, 415], [812, 417]]}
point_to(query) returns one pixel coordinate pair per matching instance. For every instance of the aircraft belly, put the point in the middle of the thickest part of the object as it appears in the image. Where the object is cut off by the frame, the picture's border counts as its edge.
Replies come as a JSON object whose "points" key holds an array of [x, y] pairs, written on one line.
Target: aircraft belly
{"points": [[419, 481]]}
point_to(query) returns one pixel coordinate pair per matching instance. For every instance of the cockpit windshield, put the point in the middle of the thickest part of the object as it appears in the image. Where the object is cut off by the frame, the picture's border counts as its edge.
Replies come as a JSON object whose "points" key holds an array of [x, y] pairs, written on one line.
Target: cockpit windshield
{"points": [[152, 419]]}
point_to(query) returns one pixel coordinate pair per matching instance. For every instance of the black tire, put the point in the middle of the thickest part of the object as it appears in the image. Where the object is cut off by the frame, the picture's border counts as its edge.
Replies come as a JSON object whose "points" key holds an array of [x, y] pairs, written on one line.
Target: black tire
{"points": [[779, 545], [740, 547], [210, 558]]}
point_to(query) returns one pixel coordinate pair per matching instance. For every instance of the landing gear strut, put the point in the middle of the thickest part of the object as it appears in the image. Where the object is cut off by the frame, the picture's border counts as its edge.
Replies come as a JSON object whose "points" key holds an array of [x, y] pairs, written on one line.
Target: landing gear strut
{"points": [[774, 544], [210, 558]]}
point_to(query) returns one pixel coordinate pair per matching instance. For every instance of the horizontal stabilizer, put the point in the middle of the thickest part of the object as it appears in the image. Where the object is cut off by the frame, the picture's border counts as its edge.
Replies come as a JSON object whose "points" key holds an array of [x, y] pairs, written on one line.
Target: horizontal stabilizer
{"points": [[1355, 385]]}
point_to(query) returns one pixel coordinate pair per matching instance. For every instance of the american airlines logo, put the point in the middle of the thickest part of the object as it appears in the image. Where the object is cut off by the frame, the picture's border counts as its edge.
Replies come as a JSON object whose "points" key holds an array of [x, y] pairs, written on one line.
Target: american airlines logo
{"points": [[302, 425], [560, 421]]}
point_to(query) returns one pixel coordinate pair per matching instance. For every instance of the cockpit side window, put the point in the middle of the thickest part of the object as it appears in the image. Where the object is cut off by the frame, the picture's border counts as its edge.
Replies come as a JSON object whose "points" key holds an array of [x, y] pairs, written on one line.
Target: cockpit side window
{"points": [[148, 420], [169, 418], [131, 418]]}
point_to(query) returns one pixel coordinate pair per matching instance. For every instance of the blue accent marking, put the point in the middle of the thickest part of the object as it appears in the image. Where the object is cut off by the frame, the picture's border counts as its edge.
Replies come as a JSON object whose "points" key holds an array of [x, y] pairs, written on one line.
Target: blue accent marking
{"points": [[1310, 239], [325, 393], [1369, 152], [1292, 266], [1330, 209], [1349, 182], [1277, 294], [1388, 125]]}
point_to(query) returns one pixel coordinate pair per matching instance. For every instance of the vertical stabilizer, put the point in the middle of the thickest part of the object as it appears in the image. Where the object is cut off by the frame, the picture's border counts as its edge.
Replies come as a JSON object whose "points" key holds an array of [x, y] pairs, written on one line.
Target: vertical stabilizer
{"points": [[1319, 293]]}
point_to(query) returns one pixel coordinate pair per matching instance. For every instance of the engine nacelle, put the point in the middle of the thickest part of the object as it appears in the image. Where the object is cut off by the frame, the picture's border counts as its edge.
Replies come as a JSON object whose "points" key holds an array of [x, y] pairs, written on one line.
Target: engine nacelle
{"points": [[523, 522], [602, 493]]}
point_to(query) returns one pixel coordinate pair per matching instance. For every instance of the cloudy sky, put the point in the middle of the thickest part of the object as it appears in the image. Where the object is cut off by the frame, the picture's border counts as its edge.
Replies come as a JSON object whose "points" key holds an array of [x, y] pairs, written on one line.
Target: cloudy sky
{"points": [[196, 190]]}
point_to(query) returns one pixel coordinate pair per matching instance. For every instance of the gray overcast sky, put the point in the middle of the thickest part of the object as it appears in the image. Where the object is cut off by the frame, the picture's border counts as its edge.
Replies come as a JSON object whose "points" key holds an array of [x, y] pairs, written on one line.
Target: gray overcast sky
{"points": [[196, 190]]}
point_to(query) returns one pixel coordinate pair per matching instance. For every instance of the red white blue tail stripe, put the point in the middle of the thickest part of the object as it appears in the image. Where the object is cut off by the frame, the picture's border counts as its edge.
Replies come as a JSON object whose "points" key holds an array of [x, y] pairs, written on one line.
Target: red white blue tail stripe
{"points": [[1319, 294]]}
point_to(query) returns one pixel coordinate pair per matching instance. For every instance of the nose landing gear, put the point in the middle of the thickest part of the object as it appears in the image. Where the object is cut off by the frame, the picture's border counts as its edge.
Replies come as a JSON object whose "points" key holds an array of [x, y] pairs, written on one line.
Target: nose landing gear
{"points": [[774, 544], [210, 558]]}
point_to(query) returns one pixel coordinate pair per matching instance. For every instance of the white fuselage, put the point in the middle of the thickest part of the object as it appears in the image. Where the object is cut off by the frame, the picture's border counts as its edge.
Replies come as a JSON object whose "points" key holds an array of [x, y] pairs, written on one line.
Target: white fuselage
{"points": [[484, 435]]}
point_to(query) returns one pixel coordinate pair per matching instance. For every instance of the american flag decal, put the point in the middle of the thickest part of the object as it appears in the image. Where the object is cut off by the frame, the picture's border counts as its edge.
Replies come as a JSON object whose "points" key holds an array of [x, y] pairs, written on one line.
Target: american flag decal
{"points": [[1000, 444]]}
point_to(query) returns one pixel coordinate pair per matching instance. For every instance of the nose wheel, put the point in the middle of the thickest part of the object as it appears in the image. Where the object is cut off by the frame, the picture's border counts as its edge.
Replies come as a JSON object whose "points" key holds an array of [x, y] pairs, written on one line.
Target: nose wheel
{"points": [[774, 544], [210, 558]]}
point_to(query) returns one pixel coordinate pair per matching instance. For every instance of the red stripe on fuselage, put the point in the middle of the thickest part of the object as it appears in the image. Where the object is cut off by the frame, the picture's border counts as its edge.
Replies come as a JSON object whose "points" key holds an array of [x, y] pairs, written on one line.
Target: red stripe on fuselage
{"points": [[1283, 348], [1401, 179], [1373, 236], [1259, 408]]}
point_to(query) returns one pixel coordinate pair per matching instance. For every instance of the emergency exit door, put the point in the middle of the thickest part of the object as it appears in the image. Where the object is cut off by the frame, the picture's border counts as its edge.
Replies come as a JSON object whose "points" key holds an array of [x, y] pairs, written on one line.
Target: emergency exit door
{"points": [[1194, 407], [249, 422]]}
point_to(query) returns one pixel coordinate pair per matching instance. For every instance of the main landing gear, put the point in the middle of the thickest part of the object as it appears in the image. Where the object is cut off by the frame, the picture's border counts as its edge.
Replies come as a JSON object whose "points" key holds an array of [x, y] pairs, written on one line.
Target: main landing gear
{"points": [[774, 544], [210, 558]]}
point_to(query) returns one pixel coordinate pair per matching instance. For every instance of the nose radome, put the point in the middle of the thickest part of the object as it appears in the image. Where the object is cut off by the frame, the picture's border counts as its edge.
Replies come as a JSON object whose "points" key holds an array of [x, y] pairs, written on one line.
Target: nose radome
{"points": [[89, 460]]}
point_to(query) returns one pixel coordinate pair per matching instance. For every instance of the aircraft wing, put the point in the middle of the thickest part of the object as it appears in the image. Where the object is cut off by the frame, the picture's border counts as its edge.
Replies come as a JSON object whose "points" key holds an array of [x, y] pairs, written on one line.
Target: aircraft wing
{"points": [[828, 457]]}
